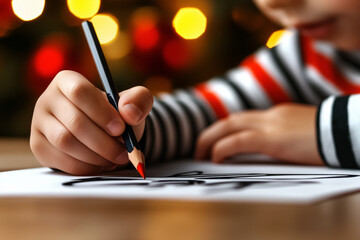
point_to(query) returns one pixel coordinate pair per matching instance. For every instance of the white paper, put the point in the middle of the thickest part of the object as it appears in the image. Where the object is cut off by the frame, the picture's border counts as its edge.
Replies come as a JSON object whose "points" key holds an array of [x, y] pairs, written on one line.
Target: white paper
{"points": [[190, 180]]}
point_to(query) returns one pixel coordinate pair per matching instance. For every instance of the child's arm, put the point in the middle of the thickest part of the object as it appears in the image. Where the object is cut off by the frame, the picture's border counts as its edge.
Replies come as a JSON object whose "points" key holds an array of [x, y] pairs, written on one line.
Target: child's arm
{"points": [[74, 127], [298, 70], [267, 78]]}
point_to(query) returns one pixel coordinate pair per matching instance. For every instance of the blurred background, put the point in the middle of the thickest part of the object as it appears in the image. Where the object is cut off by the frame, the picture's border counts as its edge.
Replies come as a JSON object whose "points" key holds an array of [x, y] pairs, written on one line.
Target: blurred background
{"points": [[159, 44]]}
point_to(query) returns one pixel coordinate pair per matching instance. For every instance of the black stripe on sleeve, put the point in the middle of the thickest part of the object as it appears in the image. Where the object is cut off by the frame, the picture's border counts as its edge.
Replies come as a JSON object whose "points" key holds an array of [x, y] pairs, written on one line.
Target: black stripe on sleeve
{"points": [[191, 119], [202, 107], [318, 136], [288, 76], [162, 134], [341, 133], [321, 93], [239, 92], [151, 131], [350, 61], [174, 119]]}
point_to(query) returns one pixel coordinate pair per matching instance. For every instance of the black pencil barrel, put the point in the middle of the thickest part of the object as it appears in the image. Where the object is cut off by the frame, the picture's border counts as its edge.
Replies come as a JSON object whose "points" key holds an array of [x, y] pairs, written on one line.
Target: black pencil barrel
{"points": [[107, 81]]}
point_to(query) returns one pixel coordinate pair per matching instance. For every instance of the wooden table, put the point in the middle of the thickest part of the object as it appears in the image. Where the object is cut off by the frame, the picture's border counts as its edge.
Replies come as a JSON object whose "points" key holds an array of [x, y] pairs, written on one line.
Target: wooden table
{"points": [[49, 218]]}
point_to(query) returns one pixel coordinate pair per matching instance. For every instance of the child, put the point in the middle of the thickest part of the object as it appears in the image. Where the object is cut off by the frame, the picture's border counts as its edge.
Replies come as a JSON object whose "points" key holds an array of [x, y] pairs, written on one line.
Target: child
{"points": [[74, 128]]}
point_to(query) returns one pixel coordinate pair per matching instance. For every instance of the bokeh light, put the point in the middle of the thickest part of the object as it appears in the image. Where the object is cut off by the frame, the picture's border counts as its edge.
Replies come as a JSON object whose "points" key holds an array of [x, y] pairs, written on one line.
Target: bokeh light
{"points": [[189, 23], [176, 54], [49, 60], [106, 27], [276, 37], [28, 10], [119, 47], [7, 17], [145, 33], [84, 8], [56, 52], [146, 36]]}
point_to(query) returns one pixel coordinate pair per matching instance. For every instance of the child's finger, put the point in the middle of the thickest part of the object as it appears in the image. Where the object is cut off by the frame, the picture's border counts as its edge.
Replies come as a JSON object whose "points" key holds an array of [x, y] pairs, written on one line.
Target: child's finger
{"points": [[64, 141], [240, 142], [222, 128], [135, 104], [91, 101], [86, 131], [49, 156]]}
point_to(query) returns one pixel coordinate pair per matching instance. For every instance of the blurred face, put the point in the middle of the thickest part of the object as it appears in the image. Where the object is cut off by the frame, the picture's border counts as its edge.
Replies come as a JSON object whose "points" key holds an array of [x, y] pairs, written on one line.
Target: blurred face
{"points": [[334, 21]]}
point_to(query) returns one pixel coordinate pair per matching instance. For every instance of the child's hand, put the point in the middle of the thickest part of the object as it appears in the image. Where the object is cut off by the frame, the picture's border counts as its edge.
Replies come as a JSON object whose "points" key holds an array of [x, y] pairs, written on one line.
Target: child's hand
{"points": [[75, 128], [285, 132]]}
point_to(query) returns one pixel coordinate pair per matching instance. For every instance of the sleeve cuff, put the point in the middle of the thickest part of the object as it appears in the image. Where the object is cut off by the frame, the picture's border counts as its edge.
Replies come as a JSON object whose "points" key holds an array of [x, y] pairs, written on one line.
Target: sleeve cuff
{"points": [[338, 132]]}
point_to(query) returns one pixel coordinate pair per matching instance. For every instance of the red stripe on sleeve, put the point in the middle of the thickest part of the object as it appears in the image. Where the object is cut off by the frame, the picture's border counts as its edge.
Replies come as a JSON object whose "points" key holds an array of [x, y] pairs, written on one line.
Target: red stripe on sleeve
{"points": [[215, 103], [326, 68], [270, 86]]}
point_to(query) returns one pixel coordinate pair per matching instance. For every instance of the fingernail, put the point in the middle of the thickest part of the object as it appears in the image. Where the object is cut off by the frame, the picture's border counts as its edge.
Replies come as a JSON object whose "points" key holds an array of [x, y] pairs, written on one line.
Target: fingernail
{"points": [[133, 111], [115, 128]]}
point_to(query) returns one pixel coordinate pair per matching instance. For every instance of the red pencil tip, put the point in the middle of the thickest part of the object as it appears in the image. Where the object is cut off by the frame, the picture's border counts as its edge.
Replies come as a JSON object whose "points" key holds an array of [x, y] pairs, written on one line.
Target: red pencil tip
{"points": [[141, 170]]}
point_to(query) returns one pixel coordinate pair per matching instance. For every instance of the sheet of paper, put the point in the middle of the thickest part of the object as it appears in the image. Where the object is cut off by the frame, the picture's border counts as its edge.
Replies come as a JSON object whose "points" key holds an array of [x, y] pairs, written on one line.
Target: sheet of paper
{"points": [[189, 180]]}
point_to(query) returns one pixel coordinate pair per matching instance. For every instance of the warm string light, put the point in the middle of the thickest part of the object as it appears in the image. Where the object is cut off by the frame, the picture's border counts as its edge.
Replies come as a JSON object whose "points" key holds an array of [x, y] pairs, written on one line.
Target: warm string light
{"points": [[28, 10], [119, 47], [84, 9], [189, 23], [106, 27]]}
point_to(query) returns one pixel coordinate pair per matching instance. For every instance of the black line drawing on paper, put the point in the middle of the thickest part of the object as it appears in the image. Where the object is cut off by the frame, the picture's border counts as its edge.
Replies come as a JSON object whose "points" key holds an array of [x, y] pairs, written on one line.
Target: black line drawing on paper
{"points": [[210, 182]]}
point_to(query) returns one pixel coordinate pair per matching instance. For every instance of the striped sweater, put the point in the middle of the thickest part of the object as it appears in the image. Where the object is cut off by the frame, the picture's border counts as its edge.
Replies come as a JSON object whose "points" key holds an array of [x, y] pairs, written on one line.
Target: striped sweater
{"points": [[297, 70]]}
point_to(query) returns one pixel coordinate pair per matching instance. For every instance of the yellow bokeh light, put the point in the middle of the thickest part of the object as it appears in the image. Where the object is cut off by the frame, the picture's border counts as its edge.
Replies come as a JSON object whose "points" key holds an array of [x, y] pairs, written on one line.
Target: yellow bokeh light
{"points": [[276, 38], [189, 23], [106, 27], [84, 8], [28, 10], [119, 47]]}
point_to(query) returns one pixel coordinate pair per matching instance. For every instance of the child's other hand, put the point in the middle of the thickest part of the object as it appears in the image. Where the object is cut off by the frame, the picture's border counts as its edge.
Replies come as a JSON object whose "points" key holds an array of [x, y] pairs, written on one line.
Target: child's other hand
{"points": [[285, 132], [75, 128]]}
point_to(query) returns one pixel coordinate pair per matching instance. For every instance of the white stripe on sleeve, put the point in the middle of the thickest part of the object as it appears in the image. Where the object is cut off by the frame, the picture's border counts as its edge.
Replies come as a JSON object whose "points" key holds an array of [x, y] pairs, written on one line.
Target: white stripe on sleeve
{"points": [[264, 58], [354, 123], [226, 94], [326, 136], [243, 78]]}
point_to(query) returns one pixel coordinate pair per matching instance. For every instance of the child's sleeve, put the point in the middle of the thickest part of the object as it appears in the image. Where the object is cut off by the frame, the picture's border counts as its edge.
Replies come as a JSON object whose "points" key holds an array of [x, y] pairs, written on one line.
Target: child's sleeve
{"points": [[338, 131], [265, 78]]}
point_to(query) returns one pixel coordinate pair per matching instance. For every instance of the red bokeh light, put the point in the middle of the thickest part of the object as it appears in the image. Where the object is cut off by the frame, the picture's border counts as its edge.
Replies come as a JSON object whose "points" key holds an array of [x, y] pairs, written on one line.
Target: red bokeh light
{"points": [[7, 17], [176, 54], [6, 13], [49, 60], [55, 53], [146, 36]]}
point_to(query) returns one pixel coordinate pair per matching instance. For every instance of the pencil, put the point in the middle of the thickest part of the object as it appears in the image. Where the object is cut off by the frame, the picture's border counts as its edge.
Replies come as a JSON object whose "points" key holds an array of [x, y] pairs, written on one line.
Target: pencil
{"points": [[132, 146]]}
